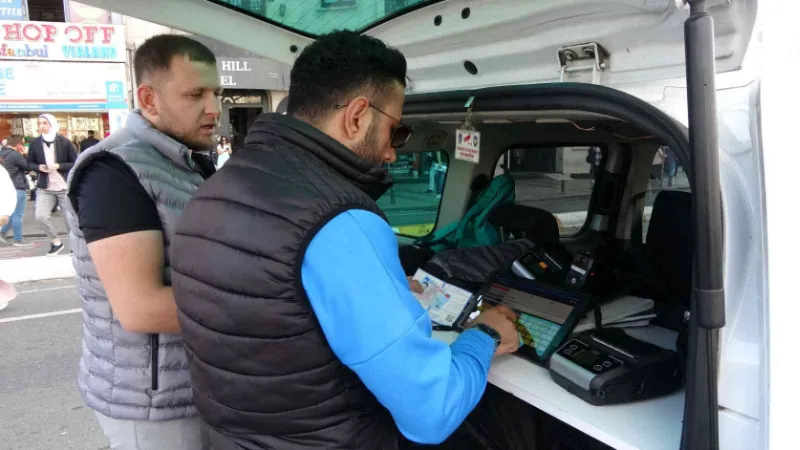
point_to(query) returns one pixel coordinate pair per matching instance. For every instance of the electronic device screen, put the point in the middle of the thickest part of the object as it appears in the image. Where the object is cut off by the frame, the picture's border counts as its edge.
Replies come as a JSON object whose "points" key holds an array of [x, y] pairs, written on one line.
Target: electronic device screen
{"points": [[542, 310]]}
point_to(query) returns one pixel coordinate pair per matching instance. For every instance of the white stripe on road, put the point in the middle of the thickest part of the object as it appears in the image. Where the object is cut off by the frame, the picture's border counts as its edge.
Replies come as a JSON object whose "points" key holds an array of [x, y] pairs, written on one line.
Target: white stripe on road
{"points": [[42, 315], [58, 288]]}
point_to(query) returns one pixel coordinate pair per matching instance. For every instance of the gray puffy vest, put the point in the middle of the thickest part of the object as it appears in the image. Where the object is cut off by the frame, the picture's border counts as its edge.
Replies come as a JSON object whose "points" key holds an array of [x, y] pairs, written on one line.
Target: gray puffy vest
{"points": [[126, 375]]}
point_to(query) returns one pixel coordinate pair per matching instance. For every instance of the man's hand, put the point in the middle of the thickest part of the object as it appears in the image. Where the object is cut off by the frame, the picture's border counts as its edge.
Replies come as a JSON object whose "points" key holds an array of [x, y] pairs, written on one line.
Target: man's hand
{"points": [[53, 167], [3, 220], [501, 318], [131, 268], [414, 285], [43, 168]]}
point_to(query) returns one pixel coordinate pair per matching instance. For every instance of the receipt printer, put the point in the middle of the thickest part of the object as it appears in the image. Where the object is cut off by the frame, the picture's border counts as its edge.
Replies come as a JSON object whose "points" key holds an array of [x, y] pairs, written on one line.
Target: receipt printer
{"points": [[608, 366]]}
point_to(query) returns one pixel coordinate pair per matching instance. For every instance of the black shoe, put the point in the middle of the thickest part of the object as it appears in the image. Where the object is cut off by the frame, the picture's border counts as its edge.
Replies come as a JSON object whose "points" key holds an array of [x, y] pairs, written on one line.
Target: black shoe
{"points": [[55, 249]]}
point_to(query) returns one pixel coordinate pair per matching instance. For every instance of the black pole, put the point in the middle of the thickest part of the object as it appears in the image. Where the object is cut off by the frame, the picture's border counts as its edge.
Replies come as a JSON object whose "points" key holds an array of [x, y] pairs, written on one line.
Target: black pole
{"points": [[701, 430]]}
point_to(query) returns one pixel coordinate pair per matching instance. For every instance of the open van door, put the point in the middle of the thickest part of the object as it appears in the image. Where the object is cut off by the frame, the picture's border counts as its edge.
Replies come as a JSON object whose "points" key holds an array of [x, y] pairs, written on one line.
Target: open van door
{"points": [[470, 44]]}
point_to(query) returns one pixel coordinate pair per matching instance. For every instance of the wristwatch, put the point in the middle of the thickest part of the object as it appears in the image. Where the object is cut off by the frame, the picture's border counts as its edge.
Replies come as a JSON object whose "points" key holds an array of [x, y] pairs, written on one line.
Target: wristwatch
{"points": [[491, 332]]}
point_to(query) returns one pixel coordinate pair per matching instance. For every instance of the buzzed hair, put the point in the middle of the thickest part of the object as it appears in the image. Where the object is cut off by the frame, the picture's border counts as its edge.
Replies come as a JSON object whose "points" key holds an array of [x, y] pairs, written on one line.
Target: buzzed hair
{"points": [[156, 53]]}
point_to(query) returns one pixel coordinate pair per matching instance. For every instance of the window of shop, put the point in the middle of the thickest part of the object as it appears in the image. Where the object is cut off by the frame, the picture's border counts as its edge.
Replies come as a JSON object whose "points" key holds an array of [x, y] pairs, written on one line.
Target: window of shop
{"points": [[558, 180], [412, 204], [46, 10]]}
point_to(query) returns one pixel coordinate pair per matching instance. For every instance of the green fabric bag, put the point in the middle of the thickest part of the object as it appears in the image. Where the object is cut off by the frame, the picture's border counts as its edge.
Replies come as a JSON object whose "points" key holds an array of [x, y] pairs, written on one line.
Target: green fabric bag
{"points": [[474, 229]]}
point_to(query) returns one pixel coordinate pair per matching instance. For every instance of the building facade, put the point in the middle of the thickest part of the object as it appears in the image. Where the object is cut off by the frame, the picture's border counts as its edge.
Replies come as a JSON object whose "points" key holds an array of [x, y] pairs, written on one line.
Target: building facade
{"points": [[252, 85], [76, 71]]}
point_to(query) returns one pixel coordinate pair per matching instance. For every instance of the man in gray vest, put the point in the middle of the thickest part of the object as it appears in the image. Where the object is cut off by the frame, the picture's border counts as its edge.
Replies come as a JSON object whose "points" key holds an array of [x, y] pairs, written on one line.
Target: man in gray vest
{"points": [[126, 194]]}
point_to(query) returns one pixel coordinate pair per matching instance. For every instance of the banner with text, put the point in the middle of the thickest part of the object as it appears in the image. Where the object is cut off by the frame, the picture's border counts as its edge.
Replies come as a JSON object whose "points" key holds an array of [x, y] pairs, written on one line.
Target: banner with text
{"points": [[32, 86], [55, 41]]}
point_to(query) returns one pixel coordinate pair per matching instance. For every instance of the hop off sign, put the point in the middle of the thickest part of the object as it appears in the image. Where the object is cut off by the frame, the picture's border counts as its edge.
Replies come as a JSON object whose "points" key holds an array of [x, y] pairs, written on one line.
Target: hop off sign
{"points": [[468, 145]]}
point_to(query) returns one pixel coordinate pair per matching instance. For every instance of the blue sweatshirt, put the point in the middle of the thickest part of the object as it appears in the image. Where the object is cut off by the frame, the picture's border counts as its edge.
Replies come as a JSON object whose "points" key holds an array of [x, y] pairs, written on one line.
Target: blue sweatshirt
{"points": [[355, 283]]}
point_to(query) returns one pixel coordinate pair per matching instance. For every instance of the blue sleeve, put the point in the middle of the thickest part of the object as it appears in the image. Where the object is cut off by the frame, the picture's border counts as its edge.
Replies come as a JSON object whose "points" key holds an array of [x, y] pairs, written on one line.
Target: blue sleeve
{"points": [[355, 283]]}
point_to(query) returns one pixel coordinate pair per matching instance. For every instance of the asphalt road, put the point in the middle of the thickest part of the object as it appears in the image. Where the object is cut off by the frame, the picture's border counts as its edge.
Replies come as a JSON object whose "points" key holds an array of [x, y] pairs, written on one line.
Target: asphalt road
{"points": [[40, 408]]}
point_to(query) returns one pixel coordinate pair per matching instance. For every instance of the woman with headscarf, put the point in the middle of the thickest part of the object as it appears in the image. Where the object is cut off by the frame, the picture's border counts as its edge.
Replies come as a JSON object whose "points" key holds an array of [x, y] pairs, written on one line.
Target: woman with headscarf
{"points": [[51, 155]]}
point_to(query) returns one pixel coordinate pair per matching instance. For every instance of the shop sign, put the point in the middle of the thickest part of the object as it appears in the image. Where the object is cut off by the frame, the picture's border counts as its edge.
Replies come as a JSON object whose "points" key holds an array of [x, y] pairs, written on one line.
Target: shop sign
{"points": [[55, 41], [62, 86], [251, 73]]}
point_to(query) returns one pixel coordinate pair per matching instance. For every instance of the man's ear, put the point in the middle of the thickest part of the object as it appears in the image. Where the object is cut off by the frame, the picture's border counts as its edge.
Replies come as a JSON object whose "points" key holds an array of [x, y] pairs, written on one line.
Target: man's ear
{"points": [[356, 117], [146, 97]]}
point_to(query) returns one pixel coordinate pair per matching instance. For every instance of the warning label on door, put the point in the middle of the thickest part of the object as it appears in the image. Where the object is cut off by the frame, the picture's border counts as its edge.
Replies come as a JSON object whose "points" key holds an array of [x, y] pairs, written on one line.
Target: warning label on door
{"points": [[468, 145]]}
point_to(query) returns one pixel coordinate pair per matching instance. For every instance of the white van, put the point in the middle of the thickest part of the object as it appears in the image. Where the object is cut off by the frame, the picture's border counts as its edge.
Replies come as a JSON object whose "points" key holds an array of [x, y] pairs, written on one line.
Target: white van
{"points": [[553, 85]]}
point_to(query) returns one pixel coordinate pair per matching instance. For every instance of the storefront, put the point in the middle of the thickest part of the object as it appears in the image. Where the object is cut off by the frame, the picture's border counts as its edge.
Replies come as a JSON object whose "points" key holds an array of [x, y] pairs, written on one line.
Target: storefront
{"points": [[252, 85], [74, 71]]}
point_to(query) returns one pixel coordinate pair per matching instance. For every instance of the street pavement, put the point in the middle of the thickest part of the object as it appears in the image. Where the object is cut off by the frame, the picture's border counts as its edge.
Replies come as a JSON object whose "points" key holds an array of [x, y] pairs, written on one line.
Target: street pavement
{"points": [[40, 407], [32, 233]]}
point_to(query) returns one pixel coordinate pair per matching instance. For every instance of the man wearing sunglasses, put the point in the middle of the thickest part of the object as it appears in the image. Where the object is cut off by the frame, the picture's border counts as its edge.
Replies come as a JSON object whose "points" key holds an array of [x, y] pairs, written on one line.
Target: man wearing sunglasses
{"points": [[300, 326]]}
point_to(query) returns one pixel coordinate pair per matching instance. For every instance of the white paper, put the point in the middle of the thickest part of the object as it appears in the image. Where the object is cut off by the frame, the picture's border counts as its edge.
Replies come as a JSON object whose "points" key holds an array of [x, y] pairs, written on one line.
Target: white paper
{"points": [[468, 145], [443, 302]]}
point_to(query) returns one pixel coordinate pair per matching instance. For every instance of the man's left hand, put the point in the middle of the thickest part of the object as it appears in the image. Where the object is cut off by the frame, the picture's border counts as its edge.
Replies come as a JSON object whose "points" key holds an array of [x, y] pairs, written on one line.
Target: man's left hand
{"points": [[414, 285], [53, 167]]}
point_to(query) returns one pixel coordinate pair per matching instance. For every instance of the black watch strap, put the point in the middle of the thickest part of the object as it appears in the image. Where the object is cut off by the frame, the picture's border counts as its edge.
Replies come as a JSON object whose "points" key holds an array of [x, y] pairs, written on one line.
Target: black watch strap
{"points": [[491, 332]]}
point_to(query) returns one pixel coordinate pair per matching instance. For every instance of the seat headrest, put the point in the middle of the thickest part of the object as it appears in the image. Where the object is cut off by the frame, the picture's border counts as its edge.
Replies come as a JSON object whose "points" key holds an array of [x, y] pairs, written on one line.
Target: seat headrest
{"points": [[670, 241], [671, 221], [526, 222]]}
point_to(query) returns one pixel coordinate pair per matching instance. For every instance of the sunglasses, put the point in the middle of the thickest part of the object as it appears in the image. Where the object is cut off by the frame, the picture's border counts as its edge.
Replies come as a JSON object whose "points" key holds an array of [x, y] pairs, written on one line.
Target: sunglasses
{"points": [[400, 133]]}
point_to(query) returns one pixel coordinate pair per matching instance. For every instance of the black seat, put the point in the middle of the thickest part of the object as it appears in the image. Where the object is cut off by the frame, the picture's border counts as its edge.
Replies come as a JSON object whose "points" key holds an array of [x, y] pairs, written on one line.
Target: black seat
{"points": [[667, 256], [669, 246], [525, 222]]}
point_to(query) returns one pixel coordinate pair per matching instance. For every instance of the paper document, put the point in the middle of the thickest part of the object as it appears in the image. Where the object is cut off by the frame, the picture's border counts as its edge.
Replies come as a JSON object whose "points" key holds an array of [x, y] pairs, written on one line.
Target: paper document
{"points": [[616, 311], [443, 302]]}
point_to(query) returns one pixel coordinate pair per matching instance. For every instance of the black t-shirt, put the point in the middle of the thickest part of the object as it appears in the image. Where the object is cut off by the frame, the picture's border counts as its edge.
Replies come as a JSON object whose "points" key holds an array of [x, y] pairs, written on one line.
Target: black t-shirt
{"points": [[111, 201]]}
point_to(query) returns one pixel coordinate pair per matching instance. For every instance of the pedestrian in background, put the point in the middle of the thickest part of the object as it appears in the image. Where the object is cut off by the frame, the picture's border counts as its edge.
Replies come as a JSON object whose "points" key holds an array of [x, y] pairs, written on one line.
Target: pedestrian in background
{"points": [[223, 152], [16, 167], [51, 155], [89, 142]]}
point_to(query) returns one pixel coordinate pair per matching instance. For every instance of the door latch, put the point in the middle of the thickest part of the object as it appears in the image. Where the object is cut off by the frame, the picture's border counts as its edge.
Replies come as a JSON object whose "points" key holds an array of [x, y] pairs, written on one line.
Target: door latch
{"points": [[583, 57]]}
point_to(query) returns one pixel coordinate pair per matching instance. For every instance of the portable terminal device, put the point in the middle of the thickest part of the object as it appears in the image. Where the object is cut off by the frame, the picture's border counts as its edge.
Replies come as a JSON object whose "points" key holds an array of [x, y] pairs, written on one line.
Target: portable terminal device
{"points": [[547, 314], [544, 264], [607, 366]]}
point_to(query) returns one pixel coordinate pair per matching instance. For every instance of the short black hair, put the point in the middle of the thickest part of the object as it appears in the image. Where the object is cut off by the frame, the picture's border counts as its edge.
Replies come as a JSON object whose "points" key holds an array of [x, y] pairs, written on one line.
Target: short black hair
{"points": [[156, 54], [91, 132], [341, 65]]}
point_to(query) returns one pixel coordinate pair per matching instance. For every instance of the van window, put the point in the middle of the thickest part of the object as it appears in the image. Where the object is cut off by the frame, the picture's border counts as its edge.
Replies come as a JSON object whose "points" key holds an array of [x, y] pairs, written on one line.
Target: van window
{"points": [[666, 174], [558, 180], [412, 204]]}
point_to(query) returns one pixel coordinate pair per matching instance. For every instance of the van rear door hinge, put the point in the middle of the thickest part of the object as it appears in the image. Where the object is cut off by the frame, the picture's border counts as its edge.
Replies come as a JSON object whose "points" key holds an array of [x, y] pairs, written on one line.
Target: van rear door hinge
{"points": [[583, 57]]}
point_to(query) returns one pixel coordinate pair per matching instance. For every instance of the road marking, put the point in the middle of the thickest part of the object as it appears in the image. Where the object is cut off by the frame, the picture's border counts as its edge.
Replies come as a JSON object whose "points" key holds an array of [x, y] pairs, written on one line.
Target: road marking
{"points": [[42, 315], [57, 288]]}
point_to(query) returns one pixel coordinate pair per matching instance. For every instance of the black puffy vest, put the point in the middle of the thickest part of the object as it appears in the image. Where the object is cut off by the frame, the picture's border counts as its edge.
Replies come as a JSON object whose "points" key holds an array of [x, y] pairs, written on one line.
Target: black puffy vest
{"points": [[263, 374]]}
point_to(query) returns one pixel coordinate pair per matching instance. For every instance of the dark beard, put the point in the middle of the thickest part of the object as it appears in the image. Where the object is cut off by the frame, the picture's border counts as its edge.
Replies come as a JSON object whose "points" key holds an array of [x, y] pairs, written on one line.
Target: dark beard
{"points": [[190, 145], [366, 148]]}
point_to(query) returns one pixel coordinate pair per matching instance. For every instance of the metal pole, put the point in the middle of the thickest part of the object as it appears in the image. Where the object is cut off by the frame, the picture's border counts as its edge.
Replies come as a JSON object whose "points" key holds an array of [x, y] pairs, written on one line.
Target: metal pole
{"points": [[701, 430]]}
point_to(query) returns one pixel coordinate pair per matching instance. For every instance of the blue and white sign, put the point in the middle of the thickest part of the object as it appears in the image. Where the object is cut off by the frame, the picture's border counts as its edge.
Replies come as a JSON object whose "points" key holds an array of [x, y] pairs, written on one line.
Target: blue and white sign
{"points": [[31, 86], [13, 10]]}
